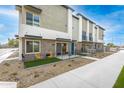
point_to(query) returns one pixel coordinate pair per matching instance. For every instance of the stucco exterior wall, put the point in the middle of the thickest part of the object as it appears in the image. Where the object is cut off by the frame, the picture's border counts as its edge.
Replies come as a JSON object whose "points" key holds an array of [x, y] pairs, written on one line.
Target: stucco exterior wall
{"points": [[75, 31], [78, 47], [84, 24], [90, 27], [101, 34], [47, 46], [54, 17]]}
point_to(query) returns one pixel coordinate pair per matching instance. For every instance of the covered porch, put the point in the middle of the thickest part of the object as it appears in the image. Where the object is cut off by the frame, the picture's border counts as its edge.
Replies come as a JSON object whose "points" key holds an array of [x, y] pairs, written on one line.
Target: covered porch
{"points": [[65, 48]]}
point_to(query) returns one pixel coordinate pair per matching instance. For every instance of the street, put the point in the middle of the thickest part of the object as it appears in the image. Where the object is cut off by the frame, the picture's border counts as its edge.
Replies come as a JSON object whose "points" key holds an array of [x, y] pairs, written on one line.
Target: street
{"points": [[4, 53]]}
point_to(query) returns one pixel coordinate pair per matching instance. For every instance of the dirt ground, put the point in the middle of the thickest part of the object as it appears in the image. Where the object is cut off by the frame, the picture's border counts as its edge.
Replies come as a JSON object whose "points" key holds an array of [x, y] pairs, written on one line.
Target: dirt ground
{"points": [[101, 54], [13, 70]]}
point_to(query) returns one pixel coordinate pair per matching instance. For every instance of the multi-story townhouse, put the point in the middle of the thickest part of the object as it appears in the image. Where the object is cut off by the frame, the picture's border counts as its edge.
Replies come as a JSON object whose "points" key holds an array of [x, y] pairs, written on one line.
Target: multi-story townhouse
{"points": [[90, 35], [45, 31], [52, 30], [99, 45]]}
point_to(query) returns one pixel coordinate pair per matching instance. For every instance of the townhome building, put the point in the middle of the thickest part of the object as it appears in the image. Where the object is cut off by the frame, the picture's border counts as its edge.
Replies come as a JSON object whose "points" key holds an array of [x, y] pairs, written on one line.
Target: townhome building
{"points": [[90, 36], [53, 30], [45, 30]]}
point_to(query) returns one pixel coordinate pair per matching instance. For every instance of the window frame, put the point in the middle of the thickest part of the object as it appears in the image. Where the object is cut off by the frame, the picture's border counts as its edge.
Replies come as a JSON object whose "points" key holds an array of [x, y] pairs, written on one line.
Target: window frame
{"points": [[34, 21], [33, 14], [32, 18], [33, 46]]}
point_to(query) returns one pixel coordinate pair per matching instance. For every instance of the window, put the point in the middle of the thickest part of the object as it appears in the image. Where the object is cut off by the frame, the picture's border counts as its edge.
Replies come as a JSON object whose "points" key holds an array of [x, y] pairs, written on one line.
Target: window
{"points": [[84, 35], [32, 19], [36, 46], [29, 18], [90, 37], [36, 20], [29, 46], [32, 46]]}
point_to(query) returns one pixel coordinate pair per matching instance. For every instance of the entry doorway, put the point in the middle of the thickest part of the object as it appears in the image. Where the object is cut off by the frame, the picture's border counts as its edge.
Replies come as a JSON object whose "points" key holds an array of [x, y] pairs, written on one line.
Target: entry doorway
{"points": [[61, 49], [72, 48]]}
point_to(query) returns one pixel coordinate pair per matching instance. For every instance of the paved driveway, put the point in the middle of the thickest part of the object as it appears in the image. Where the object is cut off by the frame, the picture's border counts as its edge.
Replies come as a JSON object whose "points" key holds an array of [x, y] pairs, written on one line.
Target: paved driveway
{"points": [[100, 74]]}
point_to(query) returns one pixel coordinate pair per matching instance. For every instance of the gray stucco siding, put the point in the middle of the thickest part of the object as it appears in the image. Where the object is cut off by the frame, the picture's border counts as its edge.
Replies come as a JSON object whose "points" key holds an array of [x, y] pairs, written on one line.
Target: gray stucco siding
{"points": [[54, 17], [75, 31]]}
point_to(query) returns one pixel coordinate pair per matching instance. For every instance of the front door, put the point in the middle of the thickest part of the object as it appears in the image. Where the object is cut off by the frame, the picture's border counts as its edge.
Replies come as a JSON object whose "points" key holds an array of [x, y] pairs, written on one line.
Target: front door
{"points": [[72, 48], [58, 49]]}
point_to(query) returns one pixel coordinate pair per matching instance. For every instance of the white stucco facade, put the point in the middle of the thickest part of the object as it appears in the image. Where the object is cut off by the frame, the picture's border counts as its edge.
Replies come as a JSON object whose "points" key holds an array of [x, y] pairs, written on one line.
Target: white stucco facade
{"points": [[98, 40], [94, 38], [87, 33], [80, 29], [45, 33]]}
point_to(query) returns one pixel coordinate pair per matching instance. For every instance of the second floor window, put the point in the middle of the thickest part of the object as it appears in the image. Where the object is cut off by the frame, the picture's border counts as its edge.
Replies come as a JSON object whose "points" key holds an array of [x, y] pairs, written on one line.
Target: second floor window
{"points": [[29, 18], [32, 19], [84, 35], [90, 37], [36, 20]]}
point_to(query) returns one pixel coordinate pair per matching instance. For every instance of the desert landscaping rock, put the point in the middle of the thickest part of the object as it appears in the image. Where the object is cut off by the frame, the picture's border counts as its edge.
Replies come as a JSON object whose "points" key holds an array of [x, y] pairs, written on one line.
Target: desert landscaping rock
{"points": [[27, 77]]}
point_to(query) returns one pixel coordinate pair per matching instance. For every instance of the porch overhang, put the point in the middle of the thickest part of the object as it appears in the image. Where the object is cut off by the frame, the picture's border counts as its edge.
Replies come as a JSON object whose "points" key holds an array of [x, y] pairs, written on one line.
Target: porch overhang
{"points": [[63, 39], [29, 37]]}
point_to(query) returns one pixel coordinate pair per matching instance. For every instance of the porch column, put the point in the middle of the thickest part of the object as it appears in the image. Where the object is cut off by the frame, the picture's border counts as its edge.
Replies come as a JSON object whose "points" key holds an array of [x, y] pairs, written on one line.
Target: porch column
{"points": [[97, 34], [80, 29], [94, 32], [20, 48], [70, 23], [87, 33]]}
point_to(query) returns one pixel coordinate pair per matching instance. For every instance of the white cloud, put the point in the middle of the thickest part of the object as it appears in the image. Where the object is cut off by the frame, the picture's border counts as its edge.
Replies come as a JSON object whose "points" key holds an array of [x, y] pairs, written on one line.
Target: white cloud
{"points": [[10, 13]]}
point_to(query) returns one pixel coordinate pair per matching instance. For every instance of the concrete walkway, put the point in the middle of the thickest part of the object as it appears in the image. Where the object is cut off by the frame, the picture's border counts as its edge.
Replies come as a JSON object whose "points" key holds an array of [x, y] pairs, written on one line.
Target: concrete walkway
{"points": [[92, 58], [99, 74], [8, 85], [12, 58]]}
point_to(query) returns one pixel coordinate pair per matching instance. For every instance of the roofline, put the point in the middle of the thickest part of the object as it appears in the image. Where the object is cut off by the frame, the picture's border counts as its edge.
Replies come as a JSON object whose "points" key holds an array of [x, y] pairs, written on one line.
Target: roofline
{"points": [[101, 27], [68, 7], [90, 20], [75, 16], [85, 17]]}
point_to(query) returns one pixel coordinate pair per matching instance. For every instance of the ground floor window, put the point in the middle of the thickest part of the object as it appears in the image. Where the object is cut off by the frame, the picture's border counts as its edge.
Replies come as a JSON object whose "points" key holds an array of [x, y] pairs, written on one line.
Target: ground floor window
{"points": [[29, 46], [32, 46]]}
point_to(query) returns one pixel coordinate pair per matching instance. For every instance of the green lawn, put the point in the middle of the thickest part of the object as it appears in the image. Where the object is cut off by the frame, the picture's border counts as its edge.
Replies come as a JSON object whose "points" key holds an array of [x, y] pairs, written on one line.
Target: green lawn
{"points": [[120, 80], [40, 62]]}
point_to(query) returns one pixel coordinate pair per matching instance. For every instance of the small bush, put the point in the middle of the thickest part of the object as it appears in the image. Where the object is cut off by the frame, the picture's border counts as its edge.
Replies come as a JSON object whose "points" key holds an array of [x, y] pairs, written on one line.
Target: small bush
{"points": [[36, 75]]}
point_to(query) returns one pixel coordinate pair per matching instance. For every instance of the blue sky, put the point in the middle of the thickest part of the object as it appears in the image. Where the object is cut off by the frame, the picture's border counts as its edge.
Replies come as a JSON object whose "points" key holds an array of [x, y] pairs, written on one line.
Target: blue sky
{"points": [[8, 23], [110, 17]]}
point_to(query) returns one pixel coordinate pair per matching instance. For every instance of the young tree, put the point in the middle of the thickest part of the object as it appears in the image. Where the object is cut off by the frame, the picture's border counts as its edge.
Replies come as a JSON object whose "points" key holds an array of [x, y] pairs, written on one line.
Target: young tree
{"points": [[110, 45], [12, 42]]}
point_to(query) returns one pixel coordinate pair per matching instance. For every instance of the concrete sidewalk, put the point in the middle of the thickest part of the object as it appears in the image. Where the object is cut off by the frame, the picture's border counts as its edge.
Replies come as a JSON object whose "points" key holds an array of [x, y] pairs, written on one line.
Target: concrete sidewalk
{"points": [[100, 74]]}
